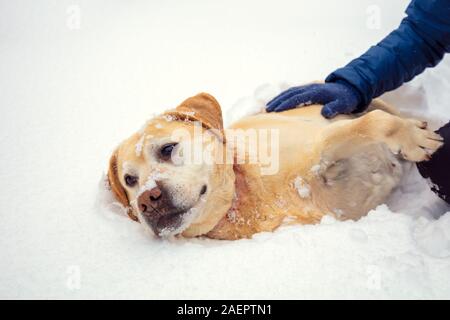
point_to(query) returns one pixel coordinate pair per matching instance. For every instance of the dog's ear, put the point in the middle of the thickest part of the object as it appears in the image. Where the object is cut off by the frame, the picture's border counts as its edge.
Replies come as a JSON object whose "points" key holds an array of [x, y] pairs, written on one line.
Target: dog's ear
{"points": [[117, 188], [202, 107]]}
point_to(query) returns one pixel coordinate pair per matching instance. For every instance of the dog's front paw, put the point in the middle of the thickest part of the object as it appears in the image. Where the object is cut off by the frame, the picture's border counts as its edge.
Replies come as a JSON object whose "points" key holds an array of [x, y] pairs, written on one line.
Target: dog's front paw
{"points": [[416, 142]]}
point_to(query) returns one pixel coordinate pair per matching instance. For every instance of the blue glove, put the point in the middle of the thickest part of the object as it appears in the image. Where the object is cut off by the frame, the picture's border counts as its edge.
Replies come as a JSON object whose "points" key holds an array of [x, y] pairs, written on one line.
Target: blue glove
{"points": [[337, 98]]}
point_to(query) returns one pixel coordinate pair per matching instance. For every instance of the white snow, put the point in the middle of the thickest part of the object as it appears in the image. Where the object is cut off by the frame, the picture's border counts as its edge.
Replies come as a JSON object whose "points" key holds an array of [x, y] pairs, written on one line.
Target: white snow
{"points": [[148, 185], [69, 95], [139, 145], [315, 169], [303, 189], [168, 118]]}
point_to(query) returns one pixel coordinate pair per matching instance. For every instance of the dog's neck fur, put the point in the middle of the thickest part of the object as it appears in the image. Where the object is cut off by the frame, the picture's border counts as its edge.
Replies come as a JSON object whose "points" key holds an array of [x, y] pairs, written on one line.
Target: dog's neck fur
{"points": [[261, 203], [249, 212]]}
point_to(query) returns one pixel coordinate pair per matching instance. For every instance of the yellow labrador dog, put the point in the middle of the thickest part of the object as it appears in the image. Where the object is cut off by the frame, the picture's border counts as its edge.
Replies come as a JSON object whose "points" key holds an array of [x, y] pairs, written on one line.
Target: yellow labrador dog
{"points": [[342, 167]]}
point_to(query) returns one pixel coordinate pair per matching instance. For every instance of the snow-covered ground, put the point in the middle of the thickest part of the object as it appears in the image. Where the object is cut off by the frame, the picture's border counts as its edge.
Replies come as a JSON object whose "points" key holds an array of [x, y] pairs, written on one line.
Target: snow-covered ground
{"points": [[71, 89]]}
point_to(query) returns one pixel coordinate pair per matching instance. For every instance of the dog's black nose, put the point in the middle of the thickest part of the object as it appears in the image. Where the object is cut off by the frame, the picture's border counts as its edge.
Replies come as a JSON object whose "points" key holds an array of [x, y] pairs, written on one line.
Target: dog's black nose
{"points": [[158, 210], [149, 199]]}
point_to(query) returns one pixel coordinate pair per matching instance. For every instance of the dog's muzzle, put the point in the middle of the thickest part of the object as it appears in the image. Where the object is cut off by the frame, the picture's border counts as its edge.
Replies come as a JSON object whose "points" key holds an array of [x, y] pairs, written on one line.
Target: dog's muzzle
{"points": [[158, 211]]}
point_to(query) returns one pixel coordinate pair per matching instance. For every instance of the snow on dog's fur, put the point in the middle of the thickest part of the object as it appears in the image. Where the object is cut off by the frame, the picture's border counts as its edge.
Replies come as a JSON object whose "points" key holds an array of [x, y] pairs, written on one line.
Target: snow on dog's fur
{"points": [[347, 166]]}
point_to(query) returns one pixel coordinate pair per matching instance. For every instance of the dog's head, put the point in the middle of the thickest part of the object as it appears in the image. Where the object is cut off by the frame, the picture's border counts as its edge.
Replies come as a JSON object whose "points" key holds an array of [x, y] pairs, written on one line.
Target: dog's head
{"points": [[171, 175]]}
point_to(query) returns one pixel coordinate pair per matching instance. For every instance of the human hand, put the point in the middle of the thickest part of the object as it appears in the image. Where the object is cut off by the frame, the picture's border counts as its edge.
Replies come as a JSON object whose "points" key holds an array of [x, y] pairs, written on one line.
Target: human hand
{"points": [[336, 97]]}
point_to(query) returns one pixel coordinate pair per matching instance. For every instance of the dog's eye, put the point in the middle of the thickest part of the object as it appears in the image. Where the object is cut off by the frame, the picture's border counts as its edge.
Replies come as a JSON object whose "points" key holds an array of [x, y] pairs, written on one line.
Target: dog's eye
{"points": [[130, 180], [166, 151]]}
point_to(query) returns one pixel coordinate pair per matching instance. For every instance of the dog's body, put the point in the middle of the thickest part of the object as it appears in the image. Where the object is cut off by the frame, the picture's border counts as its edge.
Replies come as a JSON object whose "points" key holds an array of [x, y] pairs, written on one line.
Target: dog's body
{"points": [[344, 167]]}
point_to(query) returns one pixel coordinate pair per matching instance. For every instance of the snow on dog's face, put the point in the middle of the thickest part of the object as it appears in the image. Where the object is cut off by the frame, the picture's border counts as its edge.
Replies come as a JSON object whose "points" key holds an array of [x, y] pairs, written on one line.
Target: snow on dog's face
{"points": [[171, 175]]}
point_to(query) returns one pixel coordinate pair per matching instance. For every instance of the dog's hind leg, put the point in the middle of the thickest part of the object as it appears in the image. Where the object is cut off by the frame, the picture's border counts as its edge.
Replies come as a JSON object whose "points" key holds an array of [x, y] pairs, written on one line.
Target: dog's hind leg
{"points": [[359, 161]]}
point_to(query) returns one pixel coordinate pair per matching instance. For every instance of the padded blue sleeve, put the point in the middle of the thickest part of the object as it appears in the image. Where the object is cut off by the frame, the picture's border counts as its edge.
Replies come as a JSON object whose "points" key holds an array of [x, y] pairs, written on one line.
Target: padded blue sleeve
{"points": [[420, 41]]}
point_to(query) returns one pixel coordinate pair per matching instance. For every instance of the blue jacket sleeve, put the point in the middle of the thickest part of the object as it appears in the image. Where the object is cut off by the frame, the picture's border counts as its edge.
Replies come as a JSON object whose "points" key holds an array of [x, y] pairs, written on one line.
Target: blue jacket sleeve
{"points": [[420, 41]]}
